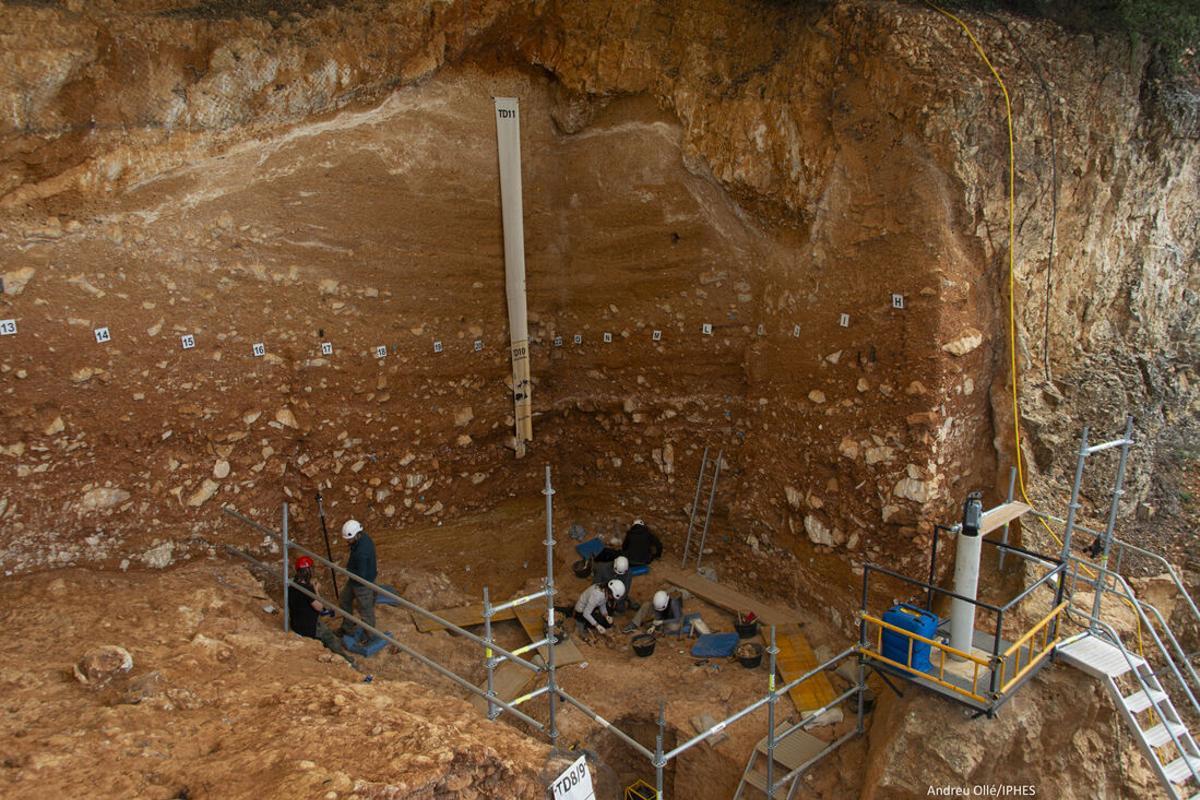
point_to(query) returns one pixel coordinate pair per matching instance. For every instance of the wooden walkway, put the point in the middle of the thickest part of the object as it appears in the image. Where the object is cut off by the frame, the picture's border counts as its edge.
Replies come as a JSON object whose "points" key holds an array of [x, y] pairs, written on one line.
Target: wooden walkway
{"points": [[463, 617]]}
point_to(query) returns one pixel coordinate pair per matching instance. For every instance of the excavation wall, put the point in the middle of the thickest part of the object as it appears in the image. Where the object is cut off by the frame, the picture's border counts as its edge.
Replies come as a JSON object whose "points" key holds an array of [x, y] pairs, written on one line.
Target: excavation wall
{"points": [[243, 175]]}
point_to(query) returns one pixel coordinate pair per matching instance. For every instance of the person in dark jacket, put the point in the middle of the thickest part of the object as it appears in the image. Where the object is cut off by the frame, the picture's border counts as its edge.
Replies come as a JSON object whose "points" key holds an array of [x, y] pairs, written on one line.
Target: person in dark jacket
{"points": [[641, 546], [304, 611], [361, 563]]}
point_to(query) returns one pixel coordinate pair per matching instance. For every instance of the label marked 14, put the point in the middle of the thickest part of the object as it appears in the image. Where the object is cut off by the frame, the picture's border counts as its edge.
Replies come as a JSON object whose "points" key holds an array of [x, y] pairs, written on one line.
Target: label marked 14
{"points": [[102, 335]]}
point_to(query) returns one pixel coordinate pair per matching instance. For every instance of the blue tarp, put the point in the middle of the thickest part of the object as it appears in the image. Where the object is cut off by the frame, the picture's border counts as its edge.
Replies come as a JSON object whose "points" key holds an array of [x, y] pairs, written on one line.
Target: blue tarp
{"points": [[373, 645], [590, 548], [715, 645]]}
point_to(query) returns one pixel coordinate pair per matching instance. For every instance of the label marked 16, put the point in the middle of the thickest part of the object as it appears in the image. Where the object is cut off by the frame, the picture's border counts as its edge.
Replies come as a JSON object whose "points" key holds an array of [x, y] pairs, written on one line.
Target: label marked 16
{"points": [[259, 349]]}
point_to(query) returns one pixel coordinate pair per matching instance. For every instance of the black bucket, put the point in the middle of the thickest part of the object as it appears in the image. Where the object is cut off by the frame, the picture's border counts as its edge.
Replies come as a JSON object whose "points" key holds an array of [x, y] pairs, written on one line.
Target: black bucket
{"points": [[746, 630], [749, 655], [582, 568], [643, 645]]}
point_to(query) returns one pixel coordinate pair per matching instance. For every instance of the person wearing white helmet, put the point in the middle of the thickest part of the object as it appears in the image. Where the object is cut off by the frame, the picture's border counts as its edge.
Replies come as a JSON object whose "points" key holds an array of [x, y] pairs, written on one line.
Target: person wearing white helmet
{"points": [[641, 546], [666, 611], [591, 609], [618, 568], [362, 564]]}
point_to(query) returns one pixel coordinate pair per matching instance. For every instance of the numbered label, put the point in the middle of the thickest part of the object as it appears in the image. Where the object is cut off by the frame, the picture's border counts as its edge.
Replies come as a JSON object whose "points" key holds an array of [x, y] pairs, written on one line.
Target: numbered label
{"points": [[8, 327], [102, 335], [381, 351], [897, 301], [478, 345], [575, 783], [326, 348], [796, 331], [437, 347], [656, 336], [607, 337], [706, 329], [578, 339], [844, 320], [259, 349], [187, 341], [762, 329], [558, 341]]}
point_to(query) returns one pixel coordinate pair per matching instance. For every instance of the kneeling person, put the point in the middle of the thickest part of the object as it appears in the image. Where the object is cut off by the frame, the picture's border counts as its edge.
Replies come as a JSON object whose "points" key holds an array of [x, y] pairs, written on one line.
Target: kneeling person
{"points": [[667, 611], [592, 607], [304, 611]]}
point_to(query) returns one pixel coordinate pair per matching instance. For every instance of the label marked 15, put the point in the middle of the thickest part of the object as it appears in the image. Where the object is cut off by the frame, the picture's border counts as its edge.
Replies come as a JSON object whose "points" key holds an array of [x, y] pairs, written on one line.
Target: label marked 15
{"points": [[187, 341]]}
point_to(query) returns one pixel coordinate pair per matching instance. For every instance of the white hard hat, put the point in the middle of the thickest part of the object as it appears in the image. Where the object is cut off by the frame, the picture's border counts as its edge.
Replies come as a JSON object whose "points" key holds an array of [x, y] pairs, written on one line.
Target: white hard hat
{"points": [[660, 600], [638, 521], [621, 565], [617, 588], [351, 529]]}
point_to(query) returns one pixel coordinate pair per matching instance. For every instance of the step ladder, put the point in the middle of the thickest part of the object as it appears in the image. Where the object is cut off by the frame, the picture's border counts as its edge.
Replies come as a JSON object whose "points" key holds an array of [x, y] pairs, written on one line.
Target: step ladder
{"points": [[798, 749], [1148, 712], [710, 470]]}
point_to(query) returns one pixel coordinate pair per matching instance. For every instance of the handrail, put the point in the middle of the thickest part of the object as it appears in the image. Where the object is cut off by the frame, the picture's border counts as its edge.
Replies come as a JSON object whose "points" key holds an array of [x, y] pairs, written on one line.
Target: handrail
{"points": [[877, 654], [869, 568], [1128, 594], [1047, 648]]}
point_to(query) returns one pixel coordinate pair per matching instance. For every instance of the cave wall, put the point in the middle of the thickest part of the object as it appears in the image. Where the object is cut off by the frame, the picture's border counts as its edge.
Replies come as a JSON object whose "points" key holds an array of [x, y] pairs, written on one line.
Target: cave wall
{"points": [[250, 175]]}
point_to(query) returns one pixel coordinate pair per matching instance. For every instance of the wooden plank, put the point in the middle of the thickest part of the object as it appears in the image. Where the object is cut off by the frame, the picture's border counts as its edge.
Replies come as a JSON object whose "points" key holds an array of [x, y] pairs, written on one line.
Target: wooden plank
{"points": [[532, 619], [796, 657], [463, 617], [724, 596], [510, 682], [1001, 515]]}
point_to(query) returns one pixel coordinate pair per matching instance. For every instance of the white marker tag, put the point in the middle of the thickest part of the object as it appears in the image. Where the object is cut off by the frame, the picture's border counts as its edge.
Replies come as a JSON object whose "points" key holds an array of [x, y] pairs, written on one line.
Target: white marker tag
{"points": [[326, 348], [558, 341], [578, 338], [796, 331], [187, 341], [102, 335], [844, 320], [656, 336], [381, 351], [259, 349], [706, 329], [437, 347], [762, 329], [897, 301], [8, 327], [607, 337], [478, 345]]}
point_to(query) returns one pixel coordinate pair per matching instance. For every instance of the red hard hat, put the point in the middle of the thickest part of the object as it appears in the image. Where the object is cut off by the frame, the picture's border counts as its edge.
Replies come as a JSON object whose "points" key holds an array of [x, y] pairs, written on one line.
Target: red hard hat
{"points": [[304, 562]]}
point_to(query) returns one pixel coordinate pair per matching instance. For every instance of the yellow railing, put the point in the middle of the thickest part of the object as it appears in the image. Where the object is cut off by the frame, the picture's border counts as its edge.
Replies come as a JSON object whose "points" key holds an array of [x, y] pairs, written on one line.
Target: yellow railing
{"points": [[1035, 656], [942, 649]]}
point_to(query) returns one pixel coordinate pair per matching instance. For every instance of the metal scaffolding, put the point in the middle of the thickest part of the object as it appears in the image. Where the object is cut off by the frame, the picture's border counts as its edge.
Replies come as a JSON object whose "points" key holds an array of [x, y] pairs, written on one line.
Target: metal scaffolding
{"points": [[493, 654]]}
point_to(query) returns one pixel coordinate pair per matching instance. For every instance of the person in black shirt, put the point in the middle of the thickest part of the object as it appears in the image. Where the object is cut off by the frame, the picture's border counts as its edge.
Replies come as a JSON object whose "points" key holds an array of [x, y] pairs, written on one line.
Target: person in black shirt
{"points": [[641, 546], [304, 611]]}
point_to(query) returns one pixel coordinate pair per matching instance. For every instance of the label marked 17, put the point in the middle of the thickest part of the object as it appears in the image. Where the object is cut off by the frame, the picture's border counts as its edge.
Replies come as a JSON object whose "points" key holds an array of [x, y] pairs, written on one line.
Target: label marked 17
{"points": [[326, 348]]}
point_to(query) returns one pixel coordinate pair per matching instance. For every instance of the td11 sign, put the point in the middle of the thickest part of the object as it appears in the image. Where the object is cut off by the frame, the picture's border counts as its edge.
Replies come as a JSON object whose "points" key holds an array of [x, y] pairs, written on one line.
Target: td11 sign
{"points": [[575, 783]]}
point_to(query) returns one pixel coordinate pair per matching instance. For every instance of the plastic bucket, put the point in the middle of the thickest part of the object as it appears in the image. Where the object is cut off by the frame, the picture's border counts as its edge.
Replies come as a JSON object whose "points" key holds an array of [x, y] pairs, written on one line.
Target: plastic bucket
{"points": [[643, 645], [749, 654]]}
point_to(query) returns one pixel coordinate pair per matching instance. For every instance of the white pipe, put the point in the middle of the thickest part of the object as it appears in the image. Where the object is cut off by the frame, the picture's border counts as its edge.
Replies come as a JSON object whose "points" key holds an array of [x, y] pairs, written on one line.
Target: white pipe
{"points": [[966, 583], [508, 144]]}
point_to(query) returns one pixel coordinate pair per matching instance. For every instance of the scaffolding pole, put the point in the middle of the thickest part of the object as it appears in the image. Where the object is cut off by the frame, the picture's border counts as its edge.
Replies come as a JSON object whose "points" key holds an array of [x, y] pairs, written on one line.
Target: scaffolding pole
{"points": [[287, 622], [551, 681], [1118, 491]]}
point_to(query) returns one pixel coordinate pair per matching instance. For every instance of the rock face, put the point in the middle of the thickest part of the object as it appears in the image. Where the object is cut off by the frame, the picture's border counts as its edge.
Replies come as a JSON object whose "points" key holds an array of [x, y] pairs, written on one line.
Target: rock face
{"points": [[181, 176], [101, 664]]}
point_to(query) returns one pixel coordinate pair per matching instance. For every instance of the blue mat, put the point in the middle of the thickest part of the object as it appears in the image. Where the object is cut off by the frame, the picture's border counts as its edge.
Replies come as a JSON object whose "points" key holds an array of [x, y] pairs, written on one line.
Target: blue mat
{"points": [[590, 548], [373, 645], [639, 569], [715, 645], [384, 600]]}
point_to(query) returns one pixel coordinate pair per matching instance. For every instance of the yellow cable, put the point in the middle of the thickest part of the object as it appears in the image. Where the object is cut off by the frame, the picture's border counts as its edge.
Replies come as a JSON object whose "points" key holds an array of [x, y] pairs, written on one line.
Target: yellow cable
{"points": [[1012, 293]]}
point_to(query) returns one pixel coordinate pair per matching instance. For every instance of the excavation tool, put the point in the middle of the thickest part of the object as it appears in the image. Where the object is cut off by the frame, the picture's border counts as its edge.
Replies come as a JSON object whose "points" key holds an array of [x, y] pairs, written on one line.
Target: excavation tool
{"points": [[325, 533]]}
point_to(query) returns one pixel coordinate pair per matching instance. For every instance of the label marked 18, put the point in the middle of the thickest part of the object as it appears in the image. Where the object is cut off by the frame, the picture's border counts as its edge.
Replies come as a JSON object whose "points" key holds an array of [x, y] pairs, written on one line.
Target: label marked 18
{"points": [[844, 320], [187, 341], [326, 348], [607, 337], [102, 335], [706, 329], [259, 349], [381, 351]]}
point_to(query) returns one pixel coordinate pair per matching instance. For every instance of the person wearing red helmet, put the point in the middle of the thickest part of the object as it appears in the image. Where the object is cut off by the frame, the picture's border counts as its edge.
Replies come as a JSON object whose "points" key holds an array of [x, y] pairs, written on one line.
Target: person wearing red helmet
{"points": [[305, 611]]}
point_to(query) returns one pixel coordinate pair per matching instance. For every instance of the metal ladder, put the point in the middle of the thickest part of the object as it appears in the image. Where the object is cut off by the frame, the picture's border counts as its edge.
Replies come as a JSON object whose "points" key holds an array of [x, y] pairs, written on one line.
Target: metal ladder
{"points": [[708, 467], [1148, 712]]}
